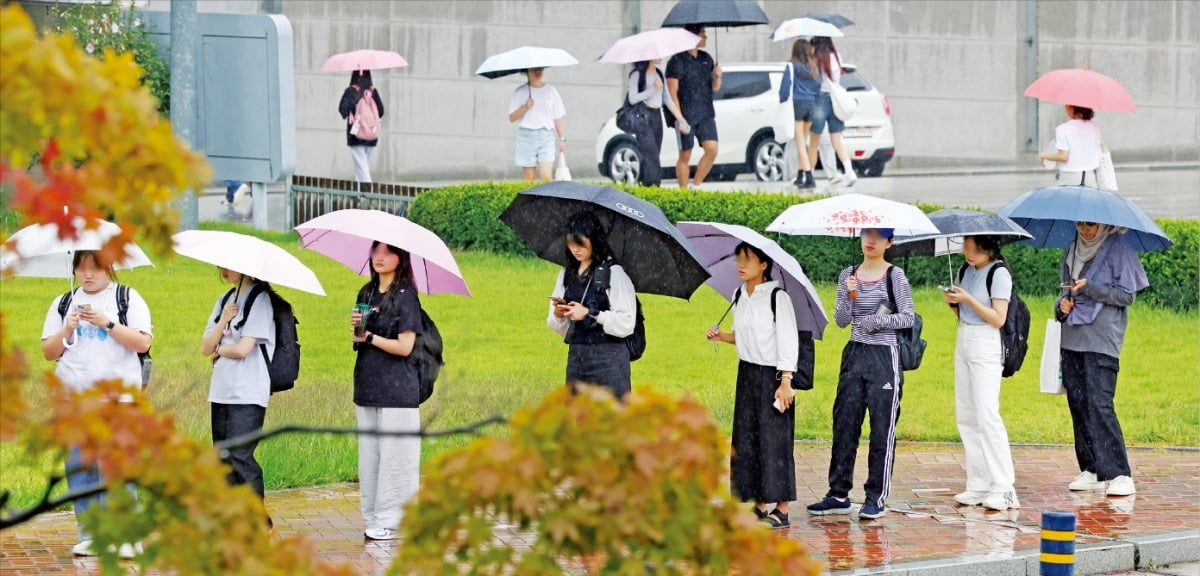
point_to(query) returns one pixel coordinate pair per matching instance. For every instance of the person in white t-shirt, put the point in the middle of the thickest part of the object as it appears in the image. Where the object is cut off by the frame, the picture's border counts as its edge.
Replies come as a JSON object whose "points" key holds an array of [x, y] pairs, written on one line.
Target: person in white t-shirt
{"points": [[1077, 148], [92, 344], [538, 111], [240, 386]]}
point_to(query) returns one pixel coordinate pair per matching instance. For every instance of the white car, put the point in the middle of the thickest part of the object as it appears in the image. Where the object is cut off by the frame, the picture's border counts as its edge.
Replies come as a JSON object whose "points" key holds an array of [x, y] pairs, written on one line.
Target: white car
{"points": [[745, 107]]}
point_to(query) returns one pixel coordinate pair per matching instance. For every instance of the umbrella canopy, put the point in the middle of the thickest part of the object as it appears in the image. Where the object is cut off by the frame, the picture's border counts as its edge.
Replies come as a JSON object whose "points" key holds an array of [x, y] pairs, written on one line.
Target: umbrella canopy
{"points": [[1050, 215], [37, 250], [248, 255], [797, 27], [363, 60], [1082, 87], [524, 58], [655, 254], [716, 13], [716, 242], [849, 215], [954, 225], [347, 235], [831, 17], [651, 45]]}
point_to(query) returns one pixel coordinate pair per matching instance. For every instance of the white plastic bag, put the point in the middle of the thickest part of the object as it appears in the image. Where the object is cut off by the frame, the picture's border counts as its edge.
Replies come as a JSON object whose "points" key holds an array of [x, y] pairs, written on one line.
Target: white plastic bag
{"points": [[1051, 373], [562, 173], [844, 103], [785, 118]]}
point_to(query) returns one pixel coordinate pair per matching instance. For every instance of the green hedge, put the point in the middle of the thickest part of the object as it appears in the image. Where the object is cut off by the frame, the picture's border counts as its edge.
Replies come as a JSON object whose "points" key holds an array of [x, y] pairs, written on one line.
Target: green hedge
{"points": [[466, 217]]}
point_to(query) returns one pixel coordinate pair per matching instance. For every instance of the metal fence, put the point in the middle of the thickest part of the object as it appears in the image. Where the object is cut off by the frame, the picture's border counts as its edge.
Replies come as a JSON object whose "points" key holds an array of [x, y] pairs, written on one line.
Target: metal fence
{"points": [[309, 197]]}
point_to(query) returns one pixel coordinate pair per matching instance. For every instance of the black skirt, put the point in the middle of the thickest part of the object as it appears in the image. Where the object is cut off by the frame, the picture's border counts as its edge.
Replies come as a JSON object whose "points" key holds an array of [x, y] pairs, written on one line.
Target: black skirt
{"points": [[763, 466]]}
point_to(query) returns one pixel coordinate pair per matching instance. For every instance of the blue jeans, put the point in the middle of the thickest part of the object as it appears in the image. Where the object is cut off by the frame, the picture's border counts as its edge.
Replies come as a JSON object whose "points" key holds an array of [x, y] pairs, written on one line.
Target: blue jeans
{"points": [[231, 187], [822, 113], [84, 479]]}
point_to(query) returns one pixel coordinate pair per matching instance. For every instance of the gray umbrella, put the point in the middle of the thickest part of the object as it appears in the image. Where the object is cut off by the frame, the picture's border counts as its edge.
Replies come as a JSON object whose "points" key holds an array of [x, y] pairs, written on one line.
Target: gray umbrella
{"points": [[831, 18], [716, 13], [954, 225]]}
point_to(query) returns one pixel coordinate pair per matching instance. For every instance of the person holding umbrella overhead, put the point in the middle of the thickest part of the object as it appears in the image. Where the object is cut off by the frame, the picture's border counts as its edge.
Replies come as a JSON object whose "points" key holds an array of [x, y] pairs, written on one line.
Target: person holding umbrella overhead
{"points": [[801, 83], [646, 88], [593, 307], [358, 137], [538, 110], [1077, 148], [692, 77], [1101, 275], [829, 62]]}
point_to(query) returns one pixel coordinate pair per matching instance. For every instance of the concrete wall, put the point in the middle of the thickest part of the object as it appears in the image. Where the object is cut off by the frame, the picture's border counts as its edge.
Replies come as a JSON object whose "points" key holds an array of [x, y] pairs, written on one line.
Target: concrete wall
{"points": [[953, 72]]}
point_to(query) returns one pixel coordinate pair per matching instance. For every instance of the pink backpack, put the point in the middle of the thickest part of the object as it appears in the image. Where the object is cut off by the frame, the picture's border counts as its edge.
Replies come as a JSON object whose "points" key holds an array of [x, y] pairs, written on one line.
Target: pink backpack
{"points": [[365, 120]]}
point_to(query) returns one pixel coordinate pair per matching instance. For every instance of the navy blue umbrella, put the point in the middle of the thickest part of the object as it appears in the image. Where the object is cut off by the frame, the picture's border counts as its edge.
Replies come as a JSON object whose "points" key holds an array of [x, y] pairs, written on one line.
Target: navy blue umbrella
{"points": [[715, 13], [1050, 215], [658, 258]]}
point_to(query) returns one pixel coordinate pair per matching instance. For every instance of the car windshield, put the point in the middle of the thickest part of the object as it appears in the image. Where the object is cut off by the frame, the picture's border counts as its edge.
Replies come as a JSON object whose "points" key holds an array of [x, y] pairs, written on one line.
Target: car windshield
{"points": [[852, 82], [742, 85]]}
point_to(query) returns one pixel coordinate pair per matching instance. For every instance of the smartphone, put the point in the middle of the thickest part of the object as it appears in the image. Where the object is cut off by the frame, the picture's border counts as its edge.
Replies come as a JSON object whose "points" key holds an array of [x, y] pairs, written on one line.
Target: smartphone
{"points": [[945, 289], [558, 301], [84, 307], [1067, 285], [778, 406]]}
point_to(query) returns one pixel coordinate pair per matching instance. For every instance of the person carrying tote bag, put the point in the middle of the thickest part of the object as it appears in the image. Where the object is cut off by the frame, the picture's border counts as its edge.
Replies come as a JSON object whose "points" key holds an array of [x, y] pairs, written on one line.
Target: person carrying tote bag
{"points": [[798, 100], [1078, 148]]}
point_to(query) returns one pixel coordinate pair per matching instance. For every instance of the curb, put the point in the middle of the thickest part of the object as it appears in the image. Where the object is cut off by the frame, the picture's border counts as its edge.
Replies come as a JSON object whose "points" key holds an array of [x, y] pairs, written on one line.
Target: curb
{"points": [[1008, 170], [1099, 558]]}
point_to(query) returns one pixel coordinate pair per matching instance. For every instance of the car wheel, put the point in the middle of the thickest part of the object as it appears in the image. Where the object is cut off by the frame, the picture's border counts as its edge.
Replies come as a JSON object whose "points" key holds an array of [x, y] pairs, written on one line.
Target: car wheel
{"points": [[624, 163], [769, 164], [873, 169]]}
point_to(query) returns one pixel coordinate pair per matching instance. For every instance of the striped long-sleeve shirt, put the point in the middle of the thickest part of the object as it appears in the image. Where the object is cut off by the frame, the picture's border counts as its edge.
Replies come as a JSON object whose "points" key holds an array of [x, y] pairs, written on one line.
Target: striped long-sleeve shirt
{"points": [[869, 327]]}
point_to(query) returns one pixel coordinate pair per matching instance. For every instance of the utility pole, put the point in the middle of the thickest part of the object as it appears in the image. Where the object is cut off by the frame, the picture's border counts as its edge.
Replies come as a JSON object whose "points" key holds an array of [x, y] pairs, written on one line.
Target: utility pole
{"points": [[185, 36]]}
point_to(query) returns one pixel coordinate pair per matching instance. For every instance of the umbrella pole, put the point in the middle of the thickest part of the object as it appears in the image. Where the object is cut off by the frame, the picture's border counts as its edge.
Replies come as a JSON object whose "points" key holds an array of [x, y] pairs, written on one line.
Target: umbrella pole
{"points": [[950, 268]]}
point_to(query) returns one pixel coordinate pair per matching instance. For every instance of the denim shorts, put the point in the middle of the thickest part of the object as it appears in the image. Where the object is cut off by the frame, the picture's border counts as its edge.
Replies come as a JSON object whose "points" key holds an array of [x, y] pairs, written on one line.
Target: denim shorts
{"points": [[534, 147], [822, 113], [803, 109]]}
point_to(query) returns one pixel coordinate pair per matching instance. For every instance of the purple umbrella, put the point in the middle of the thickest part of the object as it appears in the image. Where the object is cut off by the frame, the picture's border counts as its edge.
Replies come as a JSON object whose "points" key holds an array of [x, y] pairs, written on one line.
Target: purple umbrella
{"points": [[715, 242], [346, 236]]}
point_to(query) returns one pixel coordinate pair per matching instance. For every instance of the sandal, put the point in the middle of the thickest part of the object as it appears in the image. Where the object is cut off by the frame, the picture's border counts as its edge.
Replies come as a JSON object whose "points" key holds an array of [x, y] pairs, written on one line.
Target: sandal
{"points": [[778, 519], [760, 513]]}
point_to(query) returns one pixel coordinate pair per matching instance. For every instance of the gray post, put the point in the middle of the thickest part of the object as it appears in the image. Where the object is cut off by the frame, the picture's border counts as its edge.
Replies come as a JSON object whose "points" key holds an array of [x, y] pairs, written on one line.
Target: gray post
{"points": [[1032, 143], [258, 192], [185, 35]]}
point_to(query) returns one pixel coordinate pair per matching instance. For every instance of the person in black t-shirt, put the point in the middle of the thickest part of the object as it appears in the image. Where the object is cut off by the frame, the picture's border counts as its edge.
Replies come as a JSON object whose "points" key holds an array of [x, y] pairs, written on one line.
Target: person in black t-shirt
{"points": [[692, 77]]}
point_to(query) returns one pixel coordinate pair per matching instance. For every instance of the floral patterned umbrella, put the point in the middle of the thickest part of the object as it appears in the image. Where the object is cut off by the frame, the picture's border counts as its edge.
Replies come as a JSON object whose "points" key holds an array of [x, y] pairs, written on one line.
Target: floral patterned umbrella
{"points": [[849, 215]]}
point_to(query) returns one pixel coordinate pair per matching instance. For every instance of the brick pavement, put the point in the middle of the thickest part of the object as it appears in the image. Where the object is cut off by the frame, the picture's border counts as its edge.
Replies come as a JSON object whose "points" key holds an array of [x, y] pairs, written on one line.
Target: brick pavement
{"points": [[923, 523]]}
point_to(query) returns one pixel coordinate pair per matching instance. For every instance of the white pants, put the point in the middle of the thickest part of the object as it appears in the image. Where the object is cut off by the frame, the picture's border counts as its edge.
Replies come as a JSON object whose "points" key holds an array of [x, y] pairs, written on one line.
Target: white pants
{"points": [[978, 364], [389, 468], [361, 157]]}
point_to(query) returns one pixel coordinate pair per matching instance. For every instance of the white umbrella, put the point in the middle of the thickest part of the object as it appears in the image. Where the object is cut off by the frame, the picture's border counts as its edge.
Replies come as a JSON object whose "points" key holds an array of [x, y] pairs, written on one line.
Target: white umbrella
{"points": [[248, 255], [806, 27], [522, 59], [37, 250], [849, 214]]}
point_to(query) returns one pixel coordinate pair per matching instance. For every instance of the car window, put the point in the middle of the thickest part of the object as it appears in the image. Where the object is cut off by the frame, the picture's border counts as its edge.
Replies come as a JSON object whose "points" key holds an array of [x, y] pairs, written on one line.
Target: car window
{"points": [[852, 82], [742, 85]]}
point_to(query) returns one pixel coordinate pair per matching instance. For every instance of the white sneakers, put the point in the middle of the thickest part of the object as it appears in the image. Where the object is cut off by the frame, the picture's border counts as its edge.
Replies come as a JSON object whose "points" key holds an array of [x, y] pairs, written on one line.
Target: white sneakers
{"points": [[1121, 486], [125, 552], [849, 178], [381, 534], [1086, 481], [1001, 501], [970, 498]]}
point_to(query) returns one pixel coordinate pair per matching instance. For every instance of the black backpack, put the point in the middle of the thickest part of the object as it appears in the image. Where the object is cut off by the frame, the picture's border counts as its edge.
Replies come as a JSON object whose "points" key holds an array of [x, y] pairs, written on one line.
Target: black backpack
{"points": [[802, 378], [284, 367], [636, 341], [911, 345], [144, 359], [1014, 334], [427, 355]]}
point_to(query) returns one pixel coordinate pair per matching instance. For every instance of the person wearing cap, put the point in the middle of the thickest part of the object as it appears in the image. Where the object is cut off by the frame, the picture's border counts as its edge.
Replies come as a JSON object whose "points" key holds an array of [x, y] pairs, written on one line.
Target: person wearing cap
{"points": [[870, 379]]}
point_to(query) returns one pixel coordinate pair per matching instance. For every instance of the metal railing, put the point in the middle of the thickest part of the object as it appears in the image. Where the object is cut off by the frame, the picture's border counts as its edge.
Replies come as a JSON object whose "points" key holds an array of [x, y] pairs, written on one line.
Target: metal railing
{"points": [[309, 197]]}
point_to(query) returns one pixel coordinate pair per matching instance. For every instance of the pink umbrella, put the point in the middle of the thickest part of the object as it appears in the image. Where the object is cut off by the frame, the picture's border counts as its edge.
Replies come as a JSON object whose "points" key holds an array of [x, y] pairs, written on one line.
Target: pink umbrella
{"points": [[346, 236], [1082, 87], [652, 45], [363, 60]]}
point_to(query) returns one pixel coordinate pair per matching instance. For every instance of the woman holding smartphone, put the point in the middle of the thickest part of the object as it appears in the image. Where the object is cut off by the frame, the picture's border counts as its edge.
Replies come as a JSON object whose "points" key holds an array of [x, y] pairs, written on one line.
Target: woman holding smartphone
{"points": [[763, 466], [978, 369], [593, 308]]}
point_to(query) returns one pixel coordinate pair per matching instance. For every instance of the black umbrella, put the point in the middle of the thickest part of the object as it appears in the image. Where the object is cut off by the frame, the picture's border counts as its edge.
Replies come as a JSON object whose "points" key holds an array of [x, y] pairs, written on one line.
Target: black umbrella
{"points": [[831, 18], [658, 258], [954, 225], [715, 13]]}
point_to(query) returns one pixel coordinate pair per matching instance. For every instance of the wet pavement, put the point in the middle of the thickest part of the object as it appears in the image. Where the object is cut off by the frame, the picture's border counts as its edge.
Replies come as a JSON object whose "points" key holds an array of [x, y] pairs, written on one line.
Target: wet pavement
{"points": [[924, 532]]}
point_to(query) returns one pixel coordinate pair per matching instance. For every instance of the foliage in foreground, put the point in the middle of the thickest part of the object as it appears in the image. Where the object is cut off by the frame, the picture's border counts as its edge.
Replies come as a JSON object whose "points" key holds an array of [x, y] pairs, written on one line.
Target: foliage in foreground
{"points": [[627, 486]]}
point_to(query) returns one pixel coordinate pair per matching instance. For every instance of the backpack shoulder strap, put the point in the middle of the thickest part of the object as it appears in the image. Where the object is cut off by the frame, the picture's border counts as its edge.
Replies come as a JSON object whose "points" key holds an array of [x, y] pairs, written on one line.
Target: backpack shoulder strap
{"points": [[962, 272], [64, 303], [255, 290], [992, 272], [891, 291], [123, 304], [224, 301], [774, 296]]}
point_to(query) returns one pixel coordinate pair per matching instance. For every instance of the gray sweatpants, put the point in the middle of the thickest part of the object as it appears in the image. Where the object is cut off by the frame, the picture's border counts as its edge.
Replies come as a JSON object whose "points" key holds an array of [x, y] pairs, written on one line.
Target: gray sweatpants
{"points": [[389, 468]]}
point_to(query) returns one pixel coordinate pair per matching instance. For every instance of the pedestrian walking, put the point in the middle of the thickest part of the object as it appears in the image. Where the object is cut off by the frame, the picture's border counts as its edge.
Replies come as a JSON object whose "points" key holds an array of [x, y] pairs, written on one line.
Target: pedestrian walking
{"points": [[593, 308], [1077, 148], [870, 379], [692, 77], [830, 65], [646, 87], [241, 320], [1101, 276], [538, 111], [802, 83], [981, 302], [95, 333], [763, 466], [385, 324], [362, 108]]}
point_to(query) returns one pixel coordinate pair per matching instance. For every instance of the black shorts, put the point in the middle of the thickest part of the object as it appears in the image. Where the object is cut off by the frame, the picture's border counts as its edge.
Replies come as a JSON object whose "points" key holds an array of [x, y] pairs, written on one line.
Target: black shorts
{"points": [[803, 109], [705, 130]]}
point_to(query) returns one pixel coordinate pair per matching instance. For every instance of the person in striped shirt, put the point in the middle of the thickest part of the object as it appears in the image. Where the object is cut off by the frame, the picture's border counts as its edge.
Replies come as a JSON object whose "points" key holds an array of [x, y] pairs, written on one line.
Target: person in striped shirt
{"points": [[870, 378]]}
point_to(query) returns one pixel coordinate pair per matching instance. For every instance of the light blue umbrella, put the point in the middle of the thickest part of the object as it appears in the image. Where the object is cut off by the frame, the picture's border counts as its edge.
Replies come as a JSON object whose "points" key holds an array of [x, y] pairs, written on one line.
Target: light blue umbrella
{"points": [[1050, 215]]}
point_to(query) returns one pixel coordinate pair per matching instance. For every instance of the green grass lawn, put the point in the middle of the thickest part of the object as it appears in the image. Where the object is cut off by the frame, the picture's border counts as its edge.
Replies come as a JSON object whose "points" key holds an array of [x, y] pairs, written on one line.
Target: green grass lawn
{"points": [[501, 356]]}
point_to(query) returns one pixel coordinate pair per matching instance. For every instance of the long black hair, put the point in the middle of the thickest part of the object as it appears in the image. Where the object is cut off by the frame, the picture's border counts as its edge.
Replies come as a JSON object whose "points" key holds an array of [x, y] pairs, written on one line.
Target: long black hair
{"points": [[822, 48], [745, 248], [401, 281], [586, 225], [641, 68], [361, 78]]}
